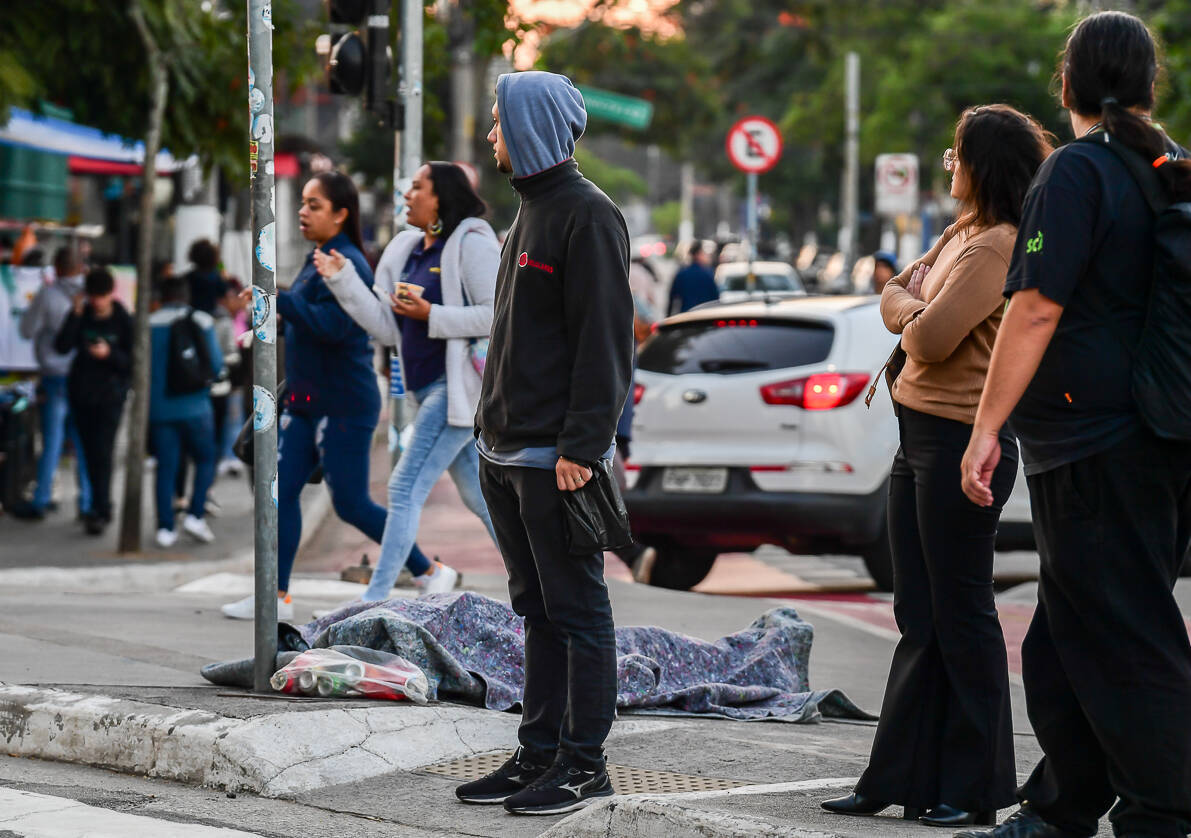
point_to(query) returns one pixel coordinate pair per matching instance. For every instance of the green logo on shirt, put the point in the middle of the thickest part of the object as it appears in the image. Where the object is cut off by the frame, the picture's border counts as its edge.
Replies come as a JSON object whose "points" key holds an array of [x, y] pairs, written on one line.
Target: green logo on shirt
{"points": [[1034, 245]]}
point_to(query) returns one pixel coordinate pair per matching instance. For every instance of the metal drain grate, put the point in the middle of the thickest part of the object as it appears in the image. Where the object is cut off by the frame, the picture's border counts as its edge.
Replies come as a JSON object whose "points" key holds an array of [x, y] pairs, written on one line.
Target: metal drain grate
{"points": [[625, 779]]}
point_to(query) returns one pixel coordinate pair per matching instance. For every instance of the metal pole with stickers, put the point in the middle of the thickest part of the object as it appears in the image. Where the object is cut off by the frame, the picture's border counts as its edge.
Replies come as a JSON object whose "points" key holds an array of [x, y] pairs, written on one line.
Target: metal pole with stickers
{"points": [[264, 343]]}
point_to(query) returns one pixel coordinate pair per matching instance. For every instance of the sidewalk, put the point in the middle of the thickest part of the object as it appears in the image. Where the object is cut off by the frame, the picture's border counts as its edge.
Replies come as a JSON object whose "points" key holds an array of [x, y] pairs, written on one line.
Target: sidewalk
{"points": [[111, 679]]}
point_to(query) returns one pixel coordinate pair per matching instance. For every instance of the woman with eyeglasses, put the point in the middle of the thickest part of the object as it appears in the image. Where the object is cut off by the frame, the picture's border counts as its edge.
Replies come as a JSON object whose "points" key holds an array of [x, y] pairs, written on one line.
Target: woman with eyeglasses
{"points": [[944, 745]]}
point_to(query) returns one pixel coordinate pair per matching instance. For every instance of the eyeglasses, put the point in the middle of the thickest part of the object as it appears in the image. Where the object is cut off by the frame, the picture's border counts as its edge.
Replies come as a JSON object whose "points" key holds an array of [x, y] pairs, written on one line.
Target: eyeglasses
{"points": [[950, 160]]}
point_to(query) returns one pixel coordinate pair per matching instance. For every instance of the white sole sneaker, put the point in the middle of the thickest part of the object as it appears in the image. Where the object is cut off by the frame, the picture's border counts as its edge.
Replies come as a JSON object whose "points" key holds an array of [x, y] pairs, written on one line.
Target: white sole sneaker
{"points": [[442, 582], [198, 529], [245, 609], [166, 539]]}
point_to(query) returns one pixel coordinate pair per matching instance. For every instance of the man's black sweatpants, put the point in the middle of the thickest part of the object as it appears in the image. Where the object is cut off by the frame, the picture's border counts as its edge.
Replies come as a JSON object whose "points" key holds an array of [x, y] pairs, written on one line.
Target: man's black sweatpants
{"points": [[570, 640], [98, 423], [1106, 661]]}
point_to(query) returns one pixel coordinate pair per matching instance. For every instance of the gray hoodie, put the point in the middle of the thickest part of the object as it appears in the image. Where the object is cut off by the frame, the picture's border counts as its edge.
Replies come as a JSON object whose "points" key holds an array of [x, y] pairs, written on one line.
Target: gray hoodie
{"points": [[541, 122], [44, 317]]}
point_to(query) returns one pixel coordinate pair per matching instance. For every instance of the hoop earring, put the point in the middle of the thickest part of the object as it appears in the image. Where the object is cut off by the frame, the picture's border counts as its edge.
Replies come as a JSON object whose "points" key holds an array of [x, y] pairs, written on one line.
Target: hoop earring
{"points": [[435, 229]]}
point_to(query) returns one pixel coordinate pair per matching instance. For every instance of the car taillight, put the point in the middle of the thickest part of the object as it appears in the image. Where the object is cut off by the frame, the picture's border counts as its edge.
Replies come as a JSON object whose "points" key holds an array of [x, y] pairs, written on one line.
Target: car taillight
{"points": [[638, 392], [822, 391]]}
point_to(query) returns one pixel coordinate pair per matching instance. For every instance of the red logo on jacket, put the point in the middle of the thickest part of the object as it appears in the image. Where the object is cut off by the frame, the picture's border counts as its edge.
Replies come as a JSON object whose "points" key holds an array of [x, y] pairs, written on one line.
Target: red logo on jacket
{"points": [[525, 262]]}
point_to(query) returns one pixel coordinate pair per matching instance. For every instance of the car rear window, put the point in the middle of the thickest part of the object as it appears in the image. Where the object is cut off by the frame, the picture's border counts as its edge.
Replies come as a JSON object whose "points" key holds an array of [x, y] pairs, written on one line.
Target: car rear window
{"points": [[726, 346], [765, 282]]}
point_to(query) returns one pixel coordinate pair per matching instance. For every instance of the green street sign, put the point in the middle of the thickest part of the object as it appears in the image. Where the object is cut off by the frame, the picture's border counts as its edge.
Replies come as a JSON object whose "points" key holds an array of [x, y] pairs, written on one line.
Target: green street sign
{"points": [[613, 107]]}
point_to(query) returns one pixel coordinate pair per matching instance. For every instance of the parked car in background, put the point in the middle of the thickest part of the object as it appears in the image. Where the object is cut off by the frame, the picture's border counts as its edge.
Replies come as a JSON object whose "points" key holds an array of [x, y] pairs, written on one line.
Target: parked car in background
{"points": [[750, 428], [770, 279]]}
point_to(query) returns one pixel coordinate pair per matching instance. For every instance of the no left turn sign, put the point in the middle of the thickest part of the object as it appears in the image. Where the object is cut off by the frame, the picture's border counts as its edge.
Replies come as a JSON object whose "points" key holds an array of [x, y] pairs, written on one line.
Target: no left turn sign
{"points": [[754, 145]]}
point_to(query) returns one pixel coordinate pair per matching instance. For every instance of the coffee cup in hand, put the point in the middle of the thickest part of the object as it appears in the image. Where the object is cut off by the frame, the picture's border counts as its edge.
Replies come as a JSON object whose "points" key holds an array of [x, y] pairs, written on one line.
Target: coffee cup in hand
{"points": [[409, 290]]}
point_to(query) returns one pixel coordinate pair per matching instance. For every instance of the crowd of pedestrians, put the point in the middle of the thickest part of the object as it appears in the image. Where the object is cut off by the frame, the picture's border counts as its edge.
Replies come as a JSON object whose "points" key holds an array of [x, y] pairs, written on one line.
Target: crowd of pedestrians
{"points": [[82, 337]]}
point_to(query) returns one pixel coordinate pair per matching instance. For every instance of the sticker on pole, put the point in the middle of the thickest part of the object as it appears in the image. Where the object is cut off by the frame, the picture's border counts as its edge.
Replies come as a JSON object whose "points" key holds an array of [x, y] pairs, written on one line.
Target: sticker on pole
{"points": [[264, 409], [754, 145], [264, 322]]}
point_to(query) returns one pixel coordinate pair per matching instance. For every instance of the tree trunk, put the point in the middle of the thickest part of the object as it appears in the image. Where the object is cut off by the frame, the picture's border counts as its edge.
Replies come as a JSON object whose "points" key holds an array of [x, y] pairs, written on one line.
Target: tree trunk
{"points": [[138, 420]]}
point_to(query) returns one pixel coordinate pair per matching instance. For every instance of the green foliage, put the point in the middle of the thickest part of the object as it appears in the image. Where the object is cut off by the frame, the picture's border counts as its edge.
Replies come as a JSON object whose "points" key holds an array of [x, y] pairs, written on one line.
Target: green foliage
{"points": [[617, 182], [666, 218], [86, 55], [1171, 21], [669, 73]]}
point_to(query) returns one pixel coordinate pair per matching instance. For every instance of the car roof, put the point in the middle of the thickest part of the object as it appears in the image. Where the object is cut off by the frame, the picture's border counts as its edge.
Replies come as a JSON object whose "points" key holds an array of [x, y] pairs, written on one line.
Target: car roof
{"points": [[758, 267], [780, 307]]}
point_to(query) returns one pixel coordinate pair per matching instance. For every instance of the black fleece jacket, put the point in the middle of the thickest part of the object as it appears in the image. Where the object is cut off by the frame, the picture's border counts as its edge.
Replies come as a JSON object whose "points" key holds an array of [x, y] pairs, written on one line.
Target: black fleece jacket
{"points": [[560, 359], [91, 380]]}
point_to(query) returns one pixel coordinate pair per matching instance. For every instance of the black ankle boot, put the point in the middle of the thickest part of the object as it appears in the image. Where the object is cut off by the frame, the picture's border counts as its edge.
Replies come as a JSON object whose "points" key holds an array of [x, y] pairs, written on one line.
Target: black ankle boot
{"points": [[944, 815], [858, 804]]}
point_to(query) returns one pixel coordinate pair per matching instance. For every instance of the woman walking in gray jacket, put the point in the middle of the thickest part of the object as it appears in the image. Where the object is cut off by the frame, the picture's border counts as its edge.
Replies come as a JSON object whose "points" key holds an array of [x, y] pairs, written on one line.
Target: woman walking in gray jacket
{"points": [[439, 284]]}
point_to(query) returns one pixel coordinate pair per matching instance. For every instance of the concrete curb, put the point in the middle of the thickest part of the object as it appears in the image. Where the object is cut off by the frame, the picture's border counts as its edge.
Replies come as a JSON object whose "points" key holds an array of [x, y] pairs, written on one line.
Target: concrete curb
{"points": [[665, 816], [157, 576], [274, 755]]}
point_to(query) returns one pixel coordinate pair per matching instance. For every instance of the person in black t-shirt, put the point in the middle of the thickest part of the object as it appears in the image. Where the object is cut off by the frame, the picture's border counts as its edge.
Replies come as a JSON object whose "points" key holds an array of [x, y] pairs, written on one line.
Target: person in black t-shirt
{"points": [[1106, 661], [100, 329]]}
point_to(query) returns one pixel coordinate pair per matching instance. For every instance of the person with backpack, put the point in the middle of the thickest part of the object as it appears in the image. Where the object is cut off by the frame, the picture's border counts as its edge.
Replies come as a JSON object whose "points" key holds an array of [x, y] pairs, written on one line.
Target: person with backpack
{"points": [[99, 331], [1092, 367], [185, 360]]}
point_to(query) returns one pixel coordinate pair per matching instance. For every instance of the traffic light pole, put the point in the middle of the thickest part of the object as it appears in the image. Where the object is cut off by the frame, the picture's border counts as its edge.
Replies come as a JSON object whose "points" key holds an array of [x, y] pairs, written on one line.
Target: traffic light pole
{"points": [[264, 344], [407, 156]]}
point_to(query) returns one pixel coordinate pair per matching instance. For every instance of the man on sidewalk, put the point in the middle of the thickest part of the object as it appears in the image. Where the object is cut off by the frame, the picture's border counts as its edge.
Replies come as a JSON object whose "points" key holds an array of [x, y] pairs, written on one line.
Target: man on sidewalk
{"points": [[40, 323], [558, 372], [180, 412]]}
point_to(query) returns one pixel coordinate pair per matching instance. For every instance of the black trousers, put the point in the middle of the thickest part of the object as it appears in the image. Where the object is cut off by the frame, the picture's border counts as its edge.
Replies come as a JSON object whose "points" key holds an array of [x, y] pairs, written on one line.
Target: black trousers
{"points": [[946, 730], [570, 640], [1106, 661], [97, 424]]}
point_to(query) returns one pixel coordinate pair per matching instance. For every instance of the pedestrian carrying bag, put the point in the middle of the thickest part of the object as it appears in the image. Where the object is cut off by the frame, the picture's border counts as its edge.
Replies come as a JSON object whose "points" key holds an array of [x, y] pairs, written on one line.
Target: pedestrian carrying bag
{"points": [[596, 516], [477, 348], [892, 369], [1162, 356], [188, 369]]}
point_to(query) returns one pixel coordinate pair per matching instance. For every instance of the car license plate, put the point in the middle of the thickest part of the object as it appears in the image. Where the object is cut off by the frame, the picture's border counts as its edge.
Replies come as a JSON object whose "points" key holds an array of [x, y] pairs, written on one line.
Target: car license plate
{"points": [[696, 480]]}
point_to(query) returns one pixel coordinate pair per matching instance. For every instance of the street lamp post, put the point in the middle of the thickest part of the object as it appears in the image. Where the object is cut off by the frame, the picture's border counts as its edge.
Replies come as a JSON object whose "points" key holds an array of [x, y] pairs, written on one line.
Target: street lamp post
{"points": [[264, 327]]}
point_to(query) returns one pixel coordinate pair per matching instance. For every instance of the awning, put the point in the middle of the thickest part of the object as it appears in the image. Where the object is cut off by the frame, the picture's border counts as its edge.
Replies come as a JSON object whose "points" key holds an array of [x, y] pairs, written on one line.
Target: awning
{"points": [[81, 143]]}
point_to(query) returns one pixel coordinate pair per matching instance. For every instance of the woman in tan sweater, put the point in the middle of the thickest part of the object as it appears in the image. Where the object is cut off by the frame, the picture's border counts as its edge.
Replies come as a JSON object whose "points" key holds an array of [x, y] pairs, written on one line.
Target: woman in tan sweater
{"points": [[945, 740]]}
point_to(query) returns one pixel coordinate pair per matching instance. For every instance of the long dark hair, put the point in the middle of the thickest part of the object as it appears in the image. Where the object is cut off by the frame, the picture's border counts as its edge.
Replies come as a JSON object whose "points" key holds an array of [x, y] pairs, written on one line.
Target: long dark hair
{"points": [[1000, 149], [340, 190], [1110, 65], [457, 199]]}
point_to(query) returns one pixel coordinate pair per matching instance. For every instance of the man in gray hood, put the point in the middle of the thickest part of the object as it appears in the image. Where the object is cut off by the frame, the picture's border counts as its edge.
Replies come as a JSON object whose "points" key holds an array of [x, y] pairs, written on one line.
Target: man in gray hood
{"points": [[558, 372], [40, 323]]}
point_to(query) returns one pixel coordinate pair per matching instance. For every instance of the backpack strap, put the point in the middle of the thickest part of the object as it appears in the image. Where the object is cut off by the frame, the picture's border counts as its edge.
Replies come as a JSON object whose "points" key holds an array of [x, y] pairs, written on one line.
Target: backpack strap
{"points": [[1142, 170]]}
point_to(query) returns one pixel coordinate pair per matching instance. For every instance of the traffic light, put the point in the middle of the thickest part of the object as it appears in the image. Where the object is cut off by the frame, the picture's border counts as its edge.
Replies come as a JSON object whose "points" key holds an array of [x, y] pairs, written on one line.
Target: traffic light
{"points": [[360, 64]]}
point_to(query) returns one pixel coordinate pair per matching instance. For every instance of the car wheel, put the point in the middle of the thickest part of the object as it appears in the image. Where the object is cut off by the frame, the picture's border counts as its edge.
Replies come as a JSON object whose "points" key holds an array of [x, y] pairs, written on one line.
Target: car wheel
{"points": [[680, 569], [878, 560]]}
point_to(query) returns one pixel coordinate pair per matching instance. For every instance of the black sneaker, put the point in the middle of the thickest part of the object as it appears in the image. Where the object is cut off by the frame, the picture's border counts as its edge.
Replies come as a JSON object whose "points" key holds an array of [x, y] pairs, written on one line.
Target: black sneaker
{"points": [[564, 788], [519, 771], [26, 511], [1024, 823]]}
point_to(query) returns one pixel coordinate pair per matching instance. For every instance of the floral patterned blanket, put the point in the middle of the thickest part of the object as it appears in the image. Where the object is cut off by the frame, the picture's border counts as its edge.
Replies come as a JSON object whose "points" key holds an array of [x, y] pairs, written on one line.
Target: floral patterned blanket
{"points": [[471, 649]]}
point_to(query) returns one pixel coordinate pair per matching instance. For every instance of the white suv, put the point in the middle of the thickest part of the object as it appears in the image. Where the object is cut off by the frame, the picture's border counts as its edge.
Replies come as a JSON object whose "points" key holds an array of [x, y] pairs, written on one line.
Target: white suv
{"points": [[750, 428]]}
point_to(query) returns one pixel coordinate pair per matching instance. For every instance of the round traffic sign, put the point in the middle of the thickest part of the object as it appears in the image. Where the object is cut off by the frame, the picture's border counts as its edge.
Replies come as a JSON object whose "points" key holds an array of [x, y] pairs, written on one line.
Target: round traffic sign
{"points": [[754, 145]]}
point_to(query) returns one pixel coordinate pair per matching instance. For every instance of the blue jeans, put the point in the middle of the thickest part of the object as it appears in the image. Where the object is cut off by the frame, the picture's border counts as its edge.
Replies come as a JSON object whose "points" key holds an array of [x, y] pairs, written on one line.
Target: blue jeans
{"points": [[169, 439], [343, 445], [434, 448], [56, 423]]}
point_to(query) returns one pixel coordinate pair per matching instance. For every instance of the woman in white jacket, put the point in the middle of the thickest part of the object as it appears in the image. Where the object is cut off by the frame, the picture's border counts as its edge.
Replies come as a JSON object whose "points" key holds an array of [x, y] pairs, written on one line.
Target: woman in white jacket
{"points": [[432, 302]]}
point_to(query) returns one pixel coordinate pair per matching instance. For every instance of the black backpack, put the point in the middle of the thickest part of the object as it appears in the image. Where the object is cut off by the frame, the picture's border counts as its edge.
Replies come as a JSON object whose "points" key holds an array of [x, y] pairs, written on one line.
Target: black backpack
{"points": [[189, 367], [1162, 356]]}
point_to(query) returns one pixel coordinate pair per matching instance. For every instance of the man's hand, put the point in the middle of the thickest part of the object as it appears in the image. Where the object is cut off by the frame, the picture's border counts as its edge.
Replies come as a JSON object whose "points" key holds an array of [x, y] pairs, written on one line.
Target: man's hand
{"points": [[571, 476], [329, 264], [100, 350], [979, 463]]}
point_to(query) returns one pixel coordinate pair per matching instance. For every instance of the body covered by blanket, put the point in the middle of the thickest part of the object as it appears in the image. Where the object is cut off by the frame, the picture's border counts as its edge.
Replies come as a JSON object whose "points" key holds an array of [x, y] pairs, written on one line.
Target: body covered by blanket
{"points": [[472, 649]]}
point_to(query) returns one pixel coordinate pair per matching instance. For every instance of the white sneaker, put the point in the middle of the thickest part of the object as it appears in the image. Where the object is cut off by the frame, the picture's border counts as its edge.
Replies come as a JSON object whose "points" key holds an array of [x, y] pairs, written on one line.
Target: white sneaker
{"points": [[197, 528], [245, 609], [440, 580], [166, 539]]}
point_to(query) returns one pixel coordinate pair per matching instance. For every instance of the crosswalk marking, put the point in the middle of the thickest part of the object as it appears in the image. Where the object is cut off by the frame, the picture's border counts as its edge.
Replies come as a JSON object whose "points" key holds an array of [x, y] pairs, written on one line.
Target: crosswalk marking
{"points": [[34, 815]]}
